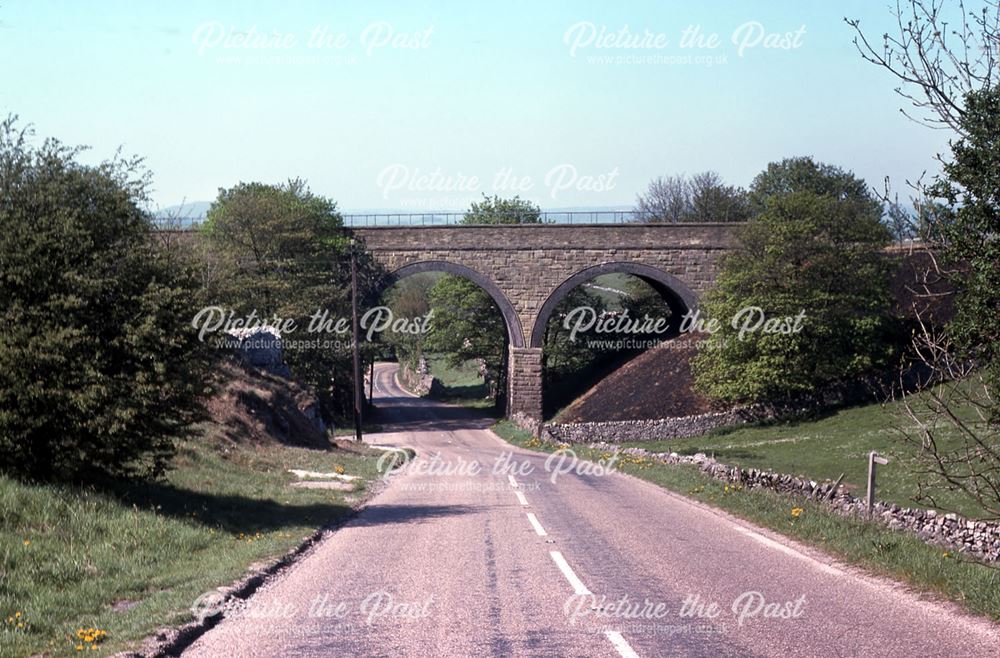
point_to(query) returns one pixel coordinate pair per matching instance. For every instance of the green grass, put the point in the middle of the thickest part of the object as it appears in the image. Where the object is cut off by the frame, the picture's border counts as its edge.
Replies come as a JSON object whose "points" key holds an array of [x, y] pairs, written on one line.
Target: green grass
{"points": [[606, 283], [823, 449], [853, 540], [461, 384], [67, 555]]}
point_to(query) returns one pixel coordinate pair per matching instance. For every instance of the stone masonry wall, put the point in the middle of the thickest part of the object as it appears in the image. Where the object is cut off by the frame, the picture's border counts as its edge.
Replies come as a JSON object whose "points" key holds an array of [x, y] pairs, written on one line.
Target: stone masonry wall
{"points": [[525, 386], [528, 262], [647, 430]]}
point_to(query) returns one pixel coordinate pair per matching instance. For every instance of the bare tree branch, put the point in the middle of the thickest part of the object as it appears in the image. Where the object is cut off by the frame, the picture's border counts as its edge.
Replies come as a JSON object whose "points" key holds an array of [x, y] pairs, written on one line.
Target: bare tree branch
{"points": [[938, 64]]}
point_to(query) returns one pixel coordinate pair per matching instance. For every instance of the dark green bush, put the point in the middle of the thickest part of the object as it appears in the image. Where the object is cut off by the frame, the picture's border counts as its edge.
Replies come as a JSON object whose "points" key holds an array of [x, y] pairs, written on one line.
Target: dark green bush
{"points": [[99, 363]]}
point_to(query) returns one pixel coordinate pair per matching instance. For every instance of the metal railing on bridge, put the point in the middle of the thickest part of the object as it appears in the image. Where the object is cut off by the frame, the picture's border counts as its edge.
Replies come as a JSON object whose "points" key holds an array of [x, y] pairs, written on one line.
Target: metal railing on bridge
{"points": [[453, 218], [364, 220]]}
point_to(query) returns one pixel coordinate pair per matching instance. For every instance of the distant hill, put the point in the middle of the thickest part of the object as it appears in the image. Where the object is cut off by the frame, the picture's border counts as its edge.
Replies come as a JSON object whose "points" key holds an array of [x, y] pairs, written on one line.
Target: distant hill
{"points": [[183, 214]]}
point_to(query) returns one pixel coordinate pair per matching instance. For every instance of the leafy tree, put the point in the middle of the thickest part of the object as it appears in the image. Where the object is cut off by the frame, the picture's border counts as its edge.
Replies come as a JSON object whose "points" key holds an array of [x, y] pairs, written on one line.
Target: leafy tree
{"points": [[644, 300], [714, 201], [497, 210], [99, 365], [566, 356], [409, 299], [816, 248], [968, 232], [803, 174], [702, 198], [276, 239], [283, 254], [468, 325]]}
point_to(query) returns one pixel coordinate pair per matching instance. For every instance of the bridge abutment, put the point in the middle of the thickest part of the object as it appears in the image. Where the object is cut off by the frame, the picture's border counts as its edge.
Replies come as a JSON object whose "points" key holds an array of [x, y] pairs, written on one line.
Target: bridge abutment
{"points": [[524, 382]]}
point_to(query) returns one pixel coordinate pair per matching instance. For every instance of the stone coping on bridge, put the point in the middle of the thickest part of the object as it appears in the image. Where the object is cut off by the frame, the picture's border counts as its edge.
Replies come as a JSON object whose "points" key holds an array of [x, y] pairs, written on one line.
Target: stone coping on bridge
{"points": [[542, 225], [536, 237]]}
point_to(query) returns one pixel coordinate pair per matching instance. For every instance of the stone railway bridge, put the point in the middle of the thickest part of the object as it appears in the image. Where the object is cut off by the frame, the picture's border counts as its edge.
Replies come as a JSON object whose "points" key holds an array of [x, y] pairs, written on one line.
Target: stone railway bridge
{"points": [[528, 268]]}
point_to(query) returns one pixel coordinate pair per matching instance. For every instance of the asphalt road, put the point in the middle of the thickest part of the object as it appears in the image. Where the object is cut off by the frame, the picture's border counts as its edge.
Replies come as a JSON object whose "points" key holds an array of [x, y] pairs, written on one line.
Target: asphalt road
{"points": [[477, 548]]}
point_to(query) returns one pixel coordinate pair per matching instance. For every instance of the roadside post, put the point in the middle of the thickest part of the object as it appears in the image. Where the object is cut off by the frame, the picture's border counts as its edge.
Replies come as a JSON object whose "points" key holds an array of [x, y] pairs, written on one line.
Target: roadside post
{"points": [[873, 459]]}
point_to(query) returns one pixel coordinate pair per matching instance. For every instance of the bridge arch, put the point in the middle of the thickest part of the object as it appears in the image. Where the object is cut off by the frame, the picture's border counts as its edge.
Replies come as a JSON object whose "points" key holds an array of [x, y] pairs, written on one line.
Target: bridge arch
{"points": [[678, 296], [510, 317]]}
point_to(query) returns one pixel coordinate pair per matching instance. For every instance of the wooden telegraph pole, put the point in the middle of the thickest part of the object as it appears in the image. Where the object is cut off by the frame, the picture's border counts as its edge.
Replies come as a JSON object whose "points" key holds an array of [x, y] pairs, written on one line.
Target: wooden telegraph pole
{"points": [[358, 384]]}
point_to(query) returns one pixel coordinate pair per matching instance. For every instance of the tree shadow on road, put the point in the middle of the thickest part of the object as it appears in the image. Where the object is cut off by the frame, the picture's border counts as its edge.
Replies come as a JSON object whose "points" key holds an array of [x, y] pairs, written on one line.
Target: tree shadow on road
{"points": [[376, 514], [405, 416]]}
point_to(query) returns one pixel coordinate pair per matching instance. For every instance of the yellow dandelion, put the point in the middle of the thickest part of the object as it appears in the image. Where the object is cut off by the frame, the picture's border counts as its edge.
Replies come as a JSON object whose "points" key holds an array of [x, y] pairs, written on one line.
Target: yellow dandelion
{"points": [[27, 542], [796, 511]]}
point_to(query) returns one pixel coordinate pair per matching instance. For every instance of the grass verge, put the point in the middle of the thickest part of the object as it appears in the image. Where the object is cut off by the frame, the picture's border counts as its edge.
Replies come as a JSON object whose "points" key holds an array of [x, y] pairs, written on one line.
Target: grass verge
{"points": [[822, 449], [131, 561], [855, 541], [461, 384]]}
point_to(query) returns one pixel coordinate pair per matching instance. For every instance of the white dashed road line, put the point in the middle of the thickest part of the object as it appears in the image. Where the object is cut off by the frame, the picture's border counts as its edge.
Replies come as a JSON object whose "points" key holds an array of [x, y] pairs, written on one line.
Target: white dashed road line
{"points": [[539, 530], [617, 641], [578, 586], [620, 644]]}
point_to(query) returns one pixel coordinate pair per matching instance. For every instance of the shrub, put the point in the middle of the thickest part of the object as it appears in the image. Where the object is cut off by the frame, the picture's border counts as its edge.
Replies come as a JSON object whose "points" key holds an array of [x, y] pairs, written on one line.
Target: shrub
{"points": [[98, 362], [816, 249]]}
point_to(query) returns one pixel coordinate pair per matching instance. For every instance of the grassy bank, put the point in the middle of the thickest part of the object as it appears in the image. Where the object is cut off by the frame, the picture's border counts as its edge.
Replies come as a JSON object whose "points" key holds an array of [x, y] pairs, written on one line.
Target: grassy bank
{"points": [[868, 545], [823, 449], [458, 384], [130, 561]]}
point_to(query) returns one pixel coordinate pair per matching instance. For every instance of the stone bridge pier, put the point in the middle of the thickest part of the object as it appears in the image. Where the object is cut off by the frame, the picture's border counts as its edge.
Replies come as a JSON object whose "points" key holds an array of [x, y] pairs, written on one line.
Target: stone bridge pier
{"points": [[529, 268], [524, 385]]}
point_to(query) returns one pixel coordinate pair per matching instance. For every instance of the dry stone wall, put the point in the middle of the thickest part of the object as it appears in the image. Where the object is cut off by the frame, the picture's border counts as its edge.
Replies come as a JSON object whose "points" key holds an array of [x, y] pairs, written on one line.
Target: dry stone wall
{"points": [[626, 431], [980, 539]]}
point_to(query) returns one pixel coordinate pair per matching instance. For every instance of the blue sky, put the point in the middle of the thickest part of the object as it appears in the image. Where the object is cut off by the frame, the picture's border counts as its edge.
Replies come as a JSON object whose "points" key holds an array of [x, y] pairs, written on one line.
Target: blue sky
{"points": [[464, 89]]}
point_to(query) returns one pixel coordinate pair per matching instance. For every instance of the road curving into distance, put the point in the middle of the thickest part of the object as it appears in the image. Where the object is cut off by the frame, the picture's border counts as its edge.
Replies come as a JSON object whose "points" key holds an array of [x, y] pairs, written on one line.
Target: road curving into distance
{"points": [[479, 548]]}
